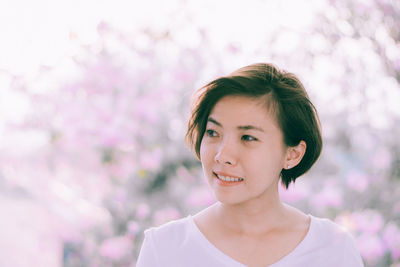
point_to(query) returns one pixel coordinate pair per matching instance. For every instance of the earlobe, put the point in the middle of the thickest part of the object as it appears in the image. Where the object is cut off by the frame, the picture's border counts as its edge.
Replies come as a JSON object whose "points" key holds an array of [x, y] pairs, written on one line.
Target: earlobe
{"points": [[295, 154]]}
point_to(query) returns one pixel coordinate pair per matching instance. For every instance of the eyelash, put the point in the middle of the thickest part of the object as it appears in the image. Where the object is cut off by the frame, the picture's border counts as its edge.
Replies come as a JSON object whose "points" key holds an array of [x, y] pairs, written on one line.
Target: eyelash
{"points": [[246, 137], [210, 133]]}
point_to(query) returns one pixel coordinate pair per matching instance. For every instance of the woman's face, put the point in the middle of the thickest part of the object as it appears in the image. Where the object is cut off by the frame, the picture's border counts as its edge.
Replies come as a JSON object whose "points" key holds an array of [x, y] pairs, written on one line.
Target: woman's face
{"points": [[242, 150]]}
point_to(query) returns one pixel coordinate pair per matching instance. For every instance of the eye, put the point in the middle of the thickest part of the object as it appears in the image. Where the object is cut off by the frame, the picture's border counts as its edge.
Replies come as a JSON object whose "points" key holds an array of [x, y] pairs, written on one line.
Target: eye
{"points": [[248, 138], [211, 133]]}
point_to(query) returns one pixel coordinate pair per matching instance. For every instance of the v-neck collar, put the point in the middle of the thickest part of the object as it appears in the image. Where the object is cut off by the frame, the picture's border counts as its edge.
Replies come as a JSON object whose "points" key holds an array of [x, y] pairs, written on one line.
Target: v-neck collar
{"points": [[219, 255]]}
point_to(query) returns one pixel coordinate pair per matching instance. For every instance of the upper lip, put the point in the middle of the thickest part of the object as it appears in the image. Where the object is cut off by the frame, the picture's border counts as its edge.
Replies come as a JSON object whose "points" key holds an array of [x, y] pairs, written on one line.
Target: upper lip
{"points": [[219, 173]]}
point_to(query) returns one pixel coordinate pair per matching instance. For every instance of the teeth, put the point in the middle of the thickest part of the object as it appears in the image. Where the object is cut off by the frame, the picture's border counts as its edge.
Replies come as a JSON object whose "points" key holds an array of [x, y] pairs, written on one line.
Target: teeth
{"points": [[229, 179]]}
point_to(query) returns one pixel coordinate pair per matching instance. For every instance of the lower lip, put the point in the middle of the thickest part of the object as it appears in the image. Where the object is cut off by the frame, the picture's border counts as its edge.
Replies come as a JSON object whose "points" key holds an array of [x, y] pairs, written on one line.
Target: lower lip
{"points": [[225, 183]]}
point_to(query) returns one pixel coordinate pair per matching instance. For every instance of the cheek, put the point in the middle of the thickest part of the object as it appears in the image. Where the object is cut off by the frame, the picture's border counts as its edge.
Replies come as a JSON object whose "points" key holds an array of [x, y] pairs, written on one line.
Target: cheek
{"points": [[262, 159], [205, 159], [204, 152], [256, 161], [202, 148]]}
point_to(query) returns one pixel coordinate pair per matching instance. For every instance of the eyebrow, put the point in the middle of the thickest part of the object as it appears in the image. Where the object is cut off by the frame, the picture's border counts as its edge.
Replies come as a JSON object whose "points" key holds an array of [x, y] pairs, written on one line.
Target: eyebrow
{"points": [[244, 127]]}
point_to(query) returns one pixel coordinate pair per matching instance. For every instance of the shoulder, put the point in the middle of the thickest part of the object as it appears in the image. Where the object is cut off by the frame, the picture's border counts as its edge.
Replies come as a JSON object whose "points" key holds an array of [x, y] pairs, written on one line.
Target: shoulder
{"points": [[332, 239], [330, 232], [169, 234], [161, 244]]}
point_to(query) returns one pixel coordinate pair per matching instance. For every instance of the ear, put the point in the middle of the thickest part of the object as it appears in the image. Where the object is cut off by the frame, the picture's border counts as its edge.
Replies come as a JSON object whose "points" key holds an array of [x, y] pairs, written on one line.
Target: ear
{"points": [[294, 154]]}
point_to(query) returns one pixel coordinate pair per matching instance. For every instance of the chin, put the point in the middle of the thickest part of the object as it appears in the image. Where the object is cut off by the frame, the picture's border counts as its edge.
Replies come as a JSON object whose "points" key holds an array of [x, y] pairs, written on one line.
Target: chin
{"points": [[227, 199]]}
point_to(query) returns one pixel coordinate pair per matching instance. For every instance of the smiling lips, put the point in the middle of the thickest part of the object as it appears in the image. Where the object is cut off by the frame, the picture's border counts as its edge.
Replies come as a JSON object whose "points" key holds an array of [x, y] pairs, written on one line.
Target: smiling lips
{"points": [[227, 180]]}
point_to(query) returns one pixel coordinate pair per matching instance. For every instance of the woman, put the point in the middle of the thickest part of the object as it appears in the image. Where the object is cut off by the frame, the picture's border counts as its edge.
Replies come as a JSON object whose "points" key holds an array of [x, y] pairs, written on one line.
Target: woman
{"points": [[250, 130]]}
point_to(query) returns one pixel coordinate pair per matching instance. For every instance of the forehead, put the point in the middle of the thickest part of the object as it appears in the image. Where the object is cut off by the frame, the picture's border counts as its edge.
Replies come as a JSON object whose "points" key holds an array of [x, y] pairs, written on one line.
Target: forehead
{"points": [[245, 110]]}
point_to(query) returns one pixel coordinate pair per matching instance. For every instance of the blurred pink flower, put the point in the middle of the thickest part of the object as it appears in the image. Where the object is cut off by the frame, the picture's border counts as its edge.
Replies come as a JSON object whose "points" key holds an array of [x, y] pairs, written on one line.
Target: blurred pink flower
{"points": [[200, 197], [142, 211], [109, 137], [121, 168], [329, 196], [234, 49], [183, 75], [371, 247], [120, 196], [146, 109], [184, 174], [396, 208], [381, 159], [295, 192], [346, 220], [165, 215], [396, 64], [357, 181], [151, 160], [102, 27], [391, 237], [132, 229], [370, 221], [29, 234], [116, 248]]}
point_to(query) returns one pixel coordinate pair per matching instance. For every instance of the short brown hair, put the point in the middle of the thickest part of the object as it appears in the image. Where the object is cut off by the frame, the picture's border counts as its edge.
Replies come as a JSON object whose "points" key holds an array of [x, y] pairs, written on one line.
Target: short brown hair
{"points": [[295, 114]]}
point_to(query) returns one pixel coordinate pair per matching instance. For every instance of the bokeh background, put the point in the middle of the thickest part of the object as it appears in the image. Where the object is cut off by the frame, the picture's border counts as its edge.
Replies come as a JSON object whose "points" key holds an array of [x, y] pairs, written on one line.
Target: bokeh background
{"points": [[94, 99]]}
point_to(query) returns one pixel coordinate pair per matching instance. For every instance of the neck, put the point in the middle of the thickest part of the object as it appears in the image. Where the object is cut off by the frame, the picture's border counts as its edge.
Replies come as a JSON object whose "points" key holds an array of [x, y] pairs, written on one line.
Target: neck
{"points": [[253, 217]]}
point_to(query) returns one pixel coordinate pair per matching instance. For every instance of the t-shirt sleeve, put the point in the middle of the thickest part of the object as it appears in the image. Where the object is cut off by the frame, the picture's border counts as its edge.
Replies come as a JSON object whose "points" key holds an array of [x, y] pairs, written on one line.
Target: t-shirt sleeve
{"points": [[351, 256], [147, 256]]}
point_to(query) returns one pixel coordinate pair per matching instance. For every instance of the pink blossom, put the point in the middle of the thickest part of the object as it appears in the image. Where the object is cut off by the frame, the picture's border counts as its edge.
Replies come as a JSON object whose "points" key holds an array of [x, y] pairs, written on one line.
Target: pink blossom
{"points": [[116, 248], [329, 196], [146, 109], [381, 159], [120, 169], [102, 27], [184, 174], [396, 208], [29, 234], [371, 247], [295, 192], [184, 76], [120, 196], [201, 197], [133, 228], [346, 220], [234, 49], [165, 215], [370, 221], [109, 137], [391, 237], [357, 181], [151, 160], [142, 211]]}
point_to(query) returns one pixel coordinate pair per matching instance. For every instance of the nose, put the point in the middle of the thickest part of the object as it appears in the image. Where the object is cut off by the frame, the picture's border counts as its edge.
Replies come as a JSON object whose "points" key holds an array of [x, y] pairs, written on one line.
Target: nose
{"points": [[226, 154]]}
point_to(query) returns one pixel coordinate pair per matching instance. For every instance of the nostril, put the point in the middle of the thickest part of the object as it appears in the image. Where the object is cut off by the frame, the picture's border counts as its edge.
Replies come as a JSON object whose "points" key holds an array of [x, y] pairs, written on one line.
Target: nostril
{"points": [[225, 155], [221, 160]]}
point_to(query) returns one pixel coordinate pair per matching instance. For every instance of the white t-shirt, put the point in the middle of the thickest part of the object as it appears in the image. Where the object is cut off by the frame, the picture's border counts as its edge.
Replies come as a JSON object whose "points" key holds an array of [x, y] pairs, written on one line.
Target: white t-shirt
{"points": [[180, 243]]}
